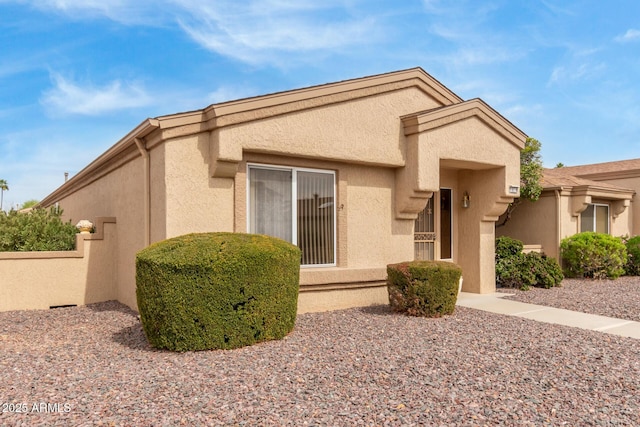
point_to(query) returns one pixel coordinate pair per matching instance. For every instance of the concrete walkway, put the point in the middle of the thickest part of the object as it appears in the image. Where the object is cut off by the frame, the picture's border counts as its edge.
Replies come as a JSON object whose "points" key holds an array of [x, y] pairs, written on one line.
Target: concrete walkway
{"points": [[496, 303]]}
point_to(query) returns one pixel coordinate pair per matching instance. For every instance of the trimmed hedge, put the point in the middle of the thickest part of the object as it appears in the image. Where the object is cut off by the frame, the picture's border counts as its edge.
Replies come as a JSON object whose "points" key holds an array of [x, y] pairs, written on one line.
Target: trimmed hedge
{"points": [[593, 255], [515, 269], [217, 290], [633, 256], [423, 288]]}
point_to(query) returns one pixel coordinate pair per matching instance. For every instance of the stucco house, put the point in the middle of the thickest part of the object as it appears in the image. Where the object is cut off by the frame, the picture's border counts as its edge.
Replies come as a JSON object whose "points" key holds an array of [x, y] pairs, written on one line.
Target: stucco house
{"points": [[359, 174], [599, 197]]}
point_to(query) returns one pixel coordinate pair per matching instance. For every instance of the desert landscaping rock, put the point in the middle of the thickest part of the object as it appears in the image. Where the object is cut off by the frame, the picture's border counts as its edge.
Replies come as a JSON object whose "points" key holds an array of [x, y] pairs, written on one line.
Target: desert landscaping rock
{"points": [[366, 366], [618, 298]]}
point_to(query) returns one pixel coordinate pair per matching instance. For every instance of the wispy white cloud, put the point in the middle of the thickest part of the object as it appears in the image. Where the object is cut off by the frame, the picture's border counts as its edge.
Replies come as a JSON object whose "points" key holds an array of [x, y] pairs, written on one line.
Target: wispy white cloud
{"points": [[68, 97], [629, 36], [252, 31], [576, 72], [123, 11], [270, 32]]}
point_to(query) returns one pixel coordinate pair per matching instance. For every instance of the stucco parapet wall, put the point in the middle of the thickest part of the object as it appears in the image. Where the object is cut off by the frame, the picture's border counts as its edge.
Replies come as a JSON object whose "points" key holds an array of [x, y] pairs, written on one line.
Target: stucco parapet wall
{"points": [[426, 153], [226, 153], [427, 120], [261, 107], [78, 252]]}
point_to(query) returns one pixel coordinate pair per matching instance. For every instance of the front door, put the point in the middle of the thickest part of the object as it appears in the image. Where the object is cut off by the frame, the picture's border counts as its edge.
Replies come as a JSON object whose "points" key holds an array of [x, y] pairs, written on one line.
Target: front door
{"points": [[427, 243]]}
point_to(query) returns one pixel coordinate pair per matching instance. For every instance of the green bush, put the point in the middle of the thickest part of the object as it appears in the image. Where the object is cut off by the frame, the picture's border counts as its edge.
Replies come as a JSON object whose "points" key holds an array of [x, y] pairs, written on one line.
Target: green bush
{"points": [[593, 255], [423, 288], [633, 256], [38, 230], [217, 290], [506, 247], [515, 269]]}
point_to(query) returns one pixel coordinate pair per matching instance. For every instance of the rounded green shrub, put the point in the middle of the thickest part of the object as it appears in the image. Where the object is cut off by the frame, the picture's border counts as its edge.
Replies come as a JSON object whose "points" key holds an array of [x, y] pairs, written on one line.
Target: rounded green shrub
{"points": [[217, 290], [633, 256], [593, 255], [507, 246], [523, 271], [423, 288], [515, 269]]}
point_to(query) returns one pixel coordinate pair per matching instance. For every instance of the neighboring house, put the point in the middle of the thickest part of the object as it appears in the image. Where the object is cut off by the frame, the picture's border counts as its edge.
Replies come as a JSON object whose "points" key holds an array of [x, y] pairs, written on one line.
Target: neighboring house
{"points": [[600, 197], [359, 174]]}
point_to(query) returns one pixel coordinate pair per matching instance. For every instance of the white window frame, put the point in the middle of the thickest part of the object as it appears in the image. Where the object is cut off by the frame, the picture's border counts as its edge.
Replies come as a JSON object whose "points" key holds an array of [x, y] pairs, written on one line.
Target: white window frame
{"points": [[294, 208], [595, 215]]}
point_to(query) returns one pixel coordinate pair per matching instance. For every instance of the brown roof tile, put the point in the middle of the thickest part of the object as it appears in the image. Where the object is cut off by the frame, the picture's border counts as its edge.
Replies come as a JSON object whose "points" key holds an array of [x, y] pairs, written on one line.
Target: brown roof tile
{"points": [[600, 168], [559, 178]]}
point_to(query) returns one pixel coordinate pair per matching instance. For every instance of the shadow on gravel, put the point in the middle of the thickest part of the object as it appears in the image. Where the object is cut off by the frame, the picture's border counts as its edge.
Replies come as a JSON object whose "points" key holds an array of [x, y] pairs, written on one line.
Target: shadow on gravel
{"points": [[378, 310], [111, 306], [133, 337]]}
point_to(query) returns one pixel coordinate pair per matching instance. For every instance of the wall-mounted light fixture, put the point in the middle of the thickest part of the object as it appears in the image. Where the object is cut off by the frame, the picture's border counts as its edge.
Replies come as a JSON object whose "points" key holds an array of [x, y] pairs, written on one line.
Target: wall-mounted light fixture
{"points": [[513, 189], [465, 200]]}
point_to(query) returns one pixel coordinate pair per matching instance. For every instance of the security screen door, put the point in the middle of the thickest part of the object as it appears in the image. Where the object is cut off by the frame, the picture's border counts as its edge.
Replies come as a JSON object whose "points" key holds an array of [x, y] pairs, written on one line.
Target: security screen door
{"points": [[425, 237]]}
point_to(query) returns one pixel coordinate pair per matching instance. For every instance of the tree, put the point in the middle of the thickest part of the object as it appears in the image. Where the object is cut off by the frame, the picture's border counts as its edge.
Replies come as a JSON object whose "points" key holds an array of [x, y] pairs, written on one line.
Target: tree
{"points": [[29, 203], [530, 176], [559, 165], [4, 186]]}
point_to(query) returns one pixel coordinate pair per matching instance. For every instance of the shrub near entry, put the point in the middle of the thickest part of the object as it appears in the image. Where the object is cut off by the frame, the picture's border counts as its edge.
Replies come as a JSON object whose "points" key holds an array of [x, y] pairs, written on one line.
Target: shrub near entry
{"points": [[515, 269], [423, 288], [217, 290], [633, 253], [593, 255]]}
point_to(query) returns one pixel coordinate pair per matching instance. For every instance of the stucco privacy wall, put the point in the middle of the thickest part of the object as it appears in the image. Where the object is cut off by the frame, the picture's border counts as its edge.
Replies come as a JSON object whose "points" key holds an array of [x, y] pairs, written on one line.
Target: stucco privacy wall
{"points": [[39, 280], [119, 194], [537, 223], [392, 141]]}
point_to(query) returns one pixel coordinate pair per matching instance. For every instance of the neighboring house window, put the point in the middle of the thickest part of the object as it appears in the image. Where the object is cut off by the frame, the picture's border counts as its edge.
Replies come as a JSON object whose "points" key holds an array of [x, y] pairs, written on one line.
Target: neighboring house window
{"points": [[296, 205], [595, 218]]}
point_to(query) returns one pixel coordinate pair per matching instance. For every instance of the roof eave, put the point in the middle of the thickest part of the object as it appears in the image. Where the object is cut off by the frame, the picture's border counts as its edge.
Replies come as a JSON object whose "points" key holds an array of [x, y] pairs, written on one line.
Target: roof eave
{"points": [[140, 131]]}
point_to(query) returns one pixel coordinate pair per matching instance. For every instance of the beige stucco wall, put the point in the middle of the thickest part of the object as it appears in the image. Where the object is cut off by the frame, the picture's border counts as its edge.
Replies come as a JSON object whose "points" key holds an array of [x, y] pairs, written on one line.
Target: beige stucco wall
{"points": [[363, 130], [195, 202], [535, 223], [633, 211], [39, 280], [118, 194]]}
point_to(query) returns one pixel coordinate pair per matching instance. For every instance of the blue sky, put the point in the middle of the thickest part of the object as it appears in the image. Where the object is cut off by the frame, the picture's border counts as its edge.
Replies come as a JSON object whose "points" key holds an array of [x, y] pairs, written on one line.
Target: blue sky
{"points": [[76, 76]]}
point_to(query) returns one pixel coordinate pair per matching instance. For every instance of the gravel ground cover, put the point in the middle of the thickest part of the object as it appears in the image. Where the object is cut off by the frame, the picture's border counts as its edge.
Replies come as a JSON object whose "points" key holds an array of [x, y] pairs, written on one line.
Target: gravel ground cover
{"points": [[618, 298], [92, 366]]}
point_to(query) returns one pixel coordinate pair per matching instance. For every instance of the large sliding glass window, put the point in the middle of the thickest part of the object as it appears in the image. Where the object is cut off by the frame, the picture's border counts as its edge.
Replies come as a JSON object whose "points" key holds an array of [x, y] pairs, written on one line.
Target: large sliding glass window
{"points": [[595, 218], [308, 223]]}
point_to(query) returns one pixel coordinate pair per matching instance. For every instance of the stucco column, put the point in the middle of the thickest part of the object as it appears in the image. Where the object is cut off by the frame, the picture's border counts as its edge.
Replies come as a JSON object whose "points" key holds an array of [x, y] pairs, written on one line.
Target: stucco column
{"points": [[476, 243], [477, 257]]}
